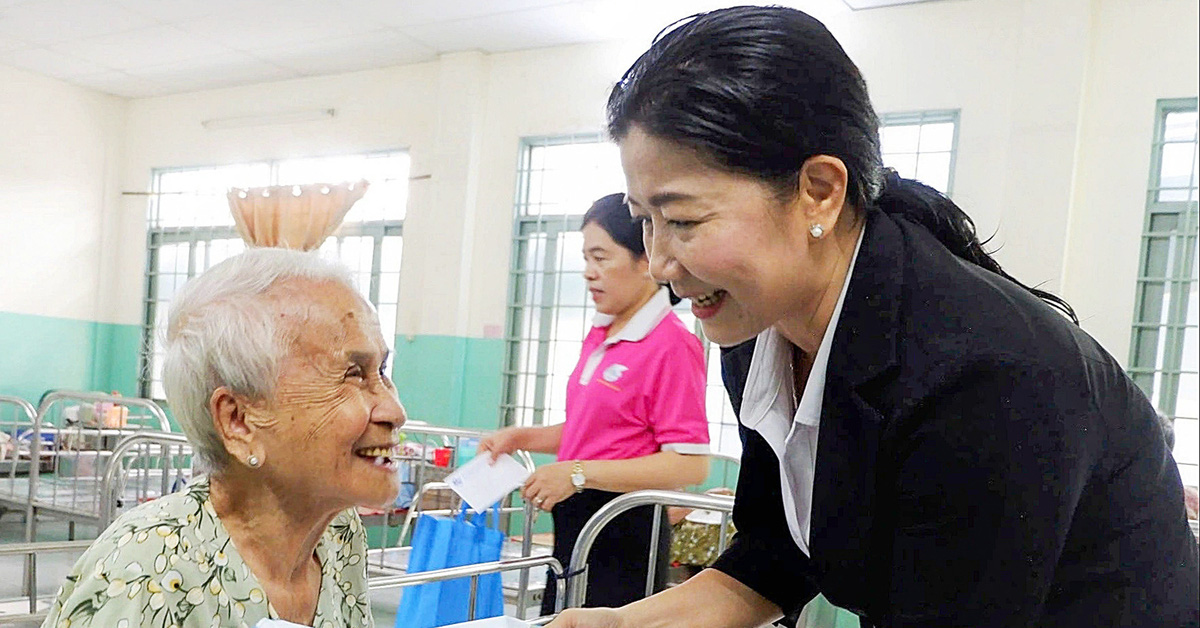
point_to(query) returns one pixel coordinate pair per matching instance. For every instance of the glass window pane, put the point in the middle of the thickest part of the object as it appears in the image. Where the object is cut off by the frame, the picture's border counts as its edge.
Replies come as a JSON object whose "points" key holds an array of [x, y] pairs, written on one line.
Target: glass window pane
{"points": [[1180, 127], [937, 137], [572, 177], [1187, 402], [391, 254], [1186, 440], [1173, 196], [1155, 300], [387, 327], [196, 197], [1146, 348], [900, 138], [221, 250], [1158, 254], [1163, 222], [1191, 350], [905, 164], [933, 169], [389, 288], [387, 174], [1177, 165], [1145, 381]]}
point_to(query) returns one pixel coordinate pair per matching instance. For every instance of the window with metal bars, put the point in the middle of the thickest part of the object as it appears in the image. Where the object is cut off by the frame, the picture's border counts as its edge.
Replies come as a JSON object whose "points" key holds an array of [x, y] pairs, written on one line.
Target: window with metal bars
{"points": [[921, 145], [190, 229], [1163, 349], [549, 311]]}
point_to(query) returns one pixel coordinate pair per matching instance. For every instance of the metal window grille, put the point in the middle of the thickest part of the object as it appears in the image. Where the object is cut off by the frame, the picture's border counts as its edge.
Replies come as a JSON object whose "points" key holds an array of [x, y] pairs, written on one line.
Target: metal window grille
{"points": [[190, 229], [921, 145], [1163, 349], [549, 311]]}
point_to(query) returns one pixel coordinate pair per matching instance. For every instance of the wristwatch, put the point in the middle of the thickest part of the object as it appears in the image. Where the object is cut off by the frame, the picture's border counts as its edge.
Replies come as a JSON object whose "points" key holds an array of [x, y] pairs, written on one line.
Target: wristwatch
{"points": [[577, 477]]}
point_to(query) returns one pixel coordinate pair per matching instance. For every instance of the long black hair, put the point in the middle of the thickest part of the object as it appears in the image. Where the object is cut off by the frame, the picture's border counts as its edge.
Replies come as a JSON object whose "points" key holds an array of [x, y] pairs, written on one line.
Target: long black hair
{"points": [[758, 91], [611, 213]]}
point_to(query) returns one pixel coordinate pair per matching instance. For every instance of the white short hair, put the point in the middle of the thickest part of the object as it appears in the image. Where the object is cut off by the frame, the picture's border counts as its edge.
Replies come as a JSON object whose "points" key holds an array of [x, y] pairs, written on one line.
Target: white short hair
{"points": [[222, 331]]}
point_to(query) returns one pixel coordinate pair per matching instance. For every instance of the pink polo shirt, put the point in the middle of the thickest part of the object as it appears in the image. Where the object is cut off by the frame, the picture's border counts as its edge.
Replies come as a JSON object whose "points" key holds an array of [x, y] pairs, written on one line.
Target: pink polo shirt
{"points": [[639, 392]]}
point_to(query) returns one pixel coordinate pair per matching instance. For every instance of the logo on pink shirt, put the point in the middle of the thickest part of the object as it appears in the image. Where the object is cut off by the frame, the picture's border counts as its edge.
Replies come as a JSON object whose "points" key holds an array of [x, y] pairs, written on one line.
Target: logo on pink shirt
{"points": [[614, 372]]}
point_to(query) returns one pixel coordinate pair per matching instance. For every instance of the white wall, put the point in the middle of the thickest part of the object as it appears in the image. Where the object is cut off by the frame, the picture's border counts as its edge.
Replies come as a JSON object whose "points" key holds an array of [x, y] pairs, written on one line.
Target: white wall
{"points": [[1057, 100], [1015, 69], [1142, 51], [59, 164]]}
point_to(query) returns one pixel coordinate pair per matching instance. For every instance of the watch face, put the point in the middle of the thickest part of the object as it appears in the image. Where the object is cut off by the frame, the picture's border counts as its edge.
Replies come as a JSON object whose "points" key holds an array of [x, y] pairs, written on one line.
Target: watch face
{"points": [[577, 479]]}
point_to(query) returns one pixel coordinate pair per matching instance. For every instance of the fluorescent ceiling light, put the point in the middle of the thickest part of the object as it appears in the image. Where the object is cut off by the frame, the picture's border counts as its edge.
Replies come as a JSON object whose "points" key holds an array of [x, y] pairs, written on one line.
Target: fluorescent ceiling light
{"points": [[859, 5], [265, 119]]}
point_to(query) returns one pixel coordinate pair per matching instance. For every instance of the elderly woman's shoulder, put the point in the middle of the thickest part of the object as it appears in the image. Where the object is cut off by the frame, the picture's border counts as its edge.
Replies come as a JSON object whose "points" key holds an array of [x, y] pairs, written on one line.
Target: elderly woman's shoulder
{"points": [[155, 535], [148, 564], [187, 508]]}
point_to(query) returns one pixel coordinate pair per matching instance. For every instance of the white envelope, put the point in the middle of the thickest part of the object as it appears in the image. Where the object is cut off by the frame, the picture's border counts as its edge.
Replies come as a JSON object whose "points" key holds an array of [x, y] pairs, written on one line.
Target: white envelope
{"points": [[493, 622], [481, 483]]}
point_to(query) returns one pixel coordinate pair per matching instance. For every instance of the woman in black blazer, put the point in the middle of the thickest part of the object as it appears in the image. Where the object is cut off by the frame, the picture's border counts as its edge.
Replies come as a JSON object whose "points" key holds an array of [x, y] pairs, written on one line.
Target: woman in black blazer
{"points": [[927, 442]]}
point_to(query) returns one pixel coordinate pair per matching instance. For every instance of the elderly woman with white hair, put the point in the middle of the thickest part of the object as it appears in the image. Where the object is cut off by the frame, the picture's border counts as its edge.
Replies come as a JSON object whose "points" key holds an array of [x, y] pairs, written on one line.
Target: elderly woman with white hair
{"points": [[275, 370]]}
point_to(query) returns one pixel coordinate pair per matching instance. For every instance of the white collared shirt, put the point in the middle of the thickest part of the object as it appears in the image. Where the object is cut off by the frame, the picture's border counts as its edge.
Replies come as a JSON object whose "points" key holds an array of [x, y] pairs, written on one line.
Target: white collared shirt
{"points": [[768, 408]]}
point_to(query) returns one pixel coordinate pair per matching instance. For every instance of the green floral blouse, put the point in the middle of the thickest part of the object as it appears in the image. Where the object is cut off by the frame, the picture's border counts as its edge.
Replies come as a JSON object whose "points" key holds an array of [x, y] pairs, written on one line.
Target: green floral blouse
{"points": [[170, 563]]}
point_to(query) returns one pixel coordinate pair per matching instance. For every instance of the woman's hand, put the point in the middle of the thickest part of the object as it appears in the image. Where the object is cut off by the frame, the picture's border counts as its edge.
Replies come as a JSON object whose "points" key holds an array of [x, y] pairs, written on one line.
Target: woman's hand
{"points": [[549, 485], [504, 441], [588, 618]]}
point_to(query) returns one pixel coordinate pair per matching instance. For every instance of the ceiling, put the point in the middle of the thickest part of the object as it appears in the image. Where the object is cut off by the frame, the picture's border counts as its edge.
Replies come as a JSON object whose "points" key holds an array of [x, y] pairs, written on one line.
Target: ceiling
{"points": [[141, 48]]}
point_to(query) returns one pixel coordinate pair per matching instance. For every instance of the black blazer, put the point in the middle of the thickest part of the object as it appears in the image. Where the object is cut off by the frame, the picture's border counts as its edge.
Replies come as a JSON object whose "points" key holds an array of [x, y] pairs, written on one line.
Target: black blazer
{"points": [[981, 461]]}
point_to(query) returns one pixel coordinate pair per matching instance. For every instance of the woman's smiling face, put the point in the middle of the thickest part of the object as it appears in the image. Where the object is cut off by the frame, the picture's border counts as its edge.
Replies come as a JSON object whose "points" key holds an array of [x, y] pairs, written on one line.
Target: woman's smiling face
{"points": [[724, 240], [331, 427]]}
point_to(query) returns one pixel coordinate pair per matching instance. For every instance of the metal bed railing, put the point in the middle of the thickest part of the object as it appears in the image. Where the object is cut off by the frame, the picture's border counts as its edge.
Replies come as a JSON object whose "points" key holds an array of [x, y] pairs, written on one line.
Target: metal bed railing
{"points": [[375, 583], [577, 583], [80, 453], [159, 453], [31, 550], [17, 417]]}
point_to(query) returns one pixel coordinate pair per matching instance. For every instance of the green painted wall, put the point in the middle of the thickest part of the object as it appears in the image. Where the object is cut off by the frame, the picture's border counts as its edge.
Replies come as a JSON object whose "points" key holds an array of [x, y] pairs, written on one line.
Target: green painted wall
{"points": [[450, 381], [44, 353]]}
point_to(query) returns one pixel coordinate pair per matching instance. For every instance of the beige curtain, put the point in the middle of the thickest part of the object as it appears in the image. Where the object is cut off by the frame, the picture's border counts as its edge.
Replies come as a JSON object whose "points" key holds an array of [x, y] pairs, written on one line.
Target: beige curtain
{"points": [[292, 216]]}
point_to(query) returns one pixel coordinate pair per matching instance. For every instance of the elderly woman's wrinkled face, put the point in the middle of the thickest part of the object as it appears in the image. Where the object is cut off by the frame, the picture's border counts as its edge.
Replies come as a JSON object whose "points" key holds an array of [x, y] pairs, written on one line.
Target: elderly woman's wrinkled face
{"points": [[332, 428]]}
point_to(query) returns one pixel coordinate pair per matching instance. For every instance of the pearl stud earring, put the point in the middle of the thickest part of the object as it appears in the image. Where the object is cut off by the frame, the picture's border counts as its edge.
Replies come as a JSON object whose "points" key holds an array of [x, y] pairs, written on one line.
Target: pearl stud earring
{"points": [[253, 461], [817, 231]]}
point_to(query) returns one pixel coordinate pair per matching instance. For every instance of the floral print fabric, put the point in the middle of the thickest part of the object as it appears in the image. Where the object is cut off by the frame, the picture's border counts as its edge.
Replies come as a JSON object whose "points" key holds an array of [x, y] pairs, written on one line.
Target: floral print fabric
{"points": [[170, 563]]}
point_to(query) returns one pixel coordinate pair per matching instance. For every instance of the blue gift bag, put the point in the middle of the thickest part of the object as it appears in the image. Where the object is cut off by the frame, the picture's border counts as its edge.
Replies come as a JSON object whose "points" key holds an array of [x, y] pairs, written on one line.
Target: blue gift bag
{"points": [[440, 542], [430, 550], [490, 599]]}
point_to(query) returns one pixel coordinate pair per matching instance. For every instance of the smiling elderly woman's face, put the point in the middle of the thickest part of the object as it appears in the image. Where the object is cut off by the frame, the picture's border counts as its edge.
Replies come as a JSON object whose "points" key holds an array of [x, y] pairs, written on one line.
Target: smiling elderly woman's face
{"points": [[335, 415]]}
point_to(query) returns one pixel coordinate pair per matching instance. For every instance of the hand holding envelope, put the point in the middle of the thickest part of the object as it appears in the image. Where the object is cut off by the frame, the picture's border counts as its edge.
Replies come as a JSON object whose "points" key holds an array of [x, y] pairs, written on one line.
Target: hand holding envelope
{"points": [[482, 483]]}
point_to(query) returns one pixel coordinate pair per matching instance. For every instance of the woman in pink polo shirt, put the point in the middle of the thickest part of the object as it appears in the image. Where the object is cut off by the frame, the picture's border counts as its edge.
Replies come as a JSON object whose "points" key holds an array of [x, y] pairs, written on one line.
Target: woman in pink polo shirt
{"points": [[635, 414]]}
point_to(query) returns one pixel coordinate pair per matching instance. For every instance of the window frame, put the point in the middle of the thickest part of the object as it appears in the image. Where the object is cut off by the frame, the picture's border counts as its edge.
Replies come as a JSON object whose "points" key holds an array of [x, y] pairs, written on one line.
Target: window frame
{"points": [[929, 116], [157, 237], [1160, 379]]}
